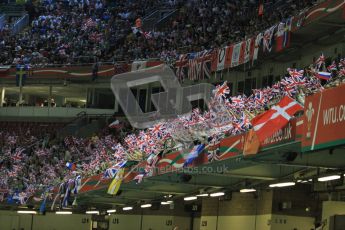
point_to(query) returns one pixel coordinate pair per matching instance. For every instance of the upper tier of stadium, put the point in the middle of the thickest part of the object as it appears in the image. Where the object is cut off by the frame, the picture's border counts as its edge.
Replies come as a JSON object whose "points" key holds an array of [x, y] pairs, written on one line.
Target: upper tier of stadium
{"points": [[67, 32]]}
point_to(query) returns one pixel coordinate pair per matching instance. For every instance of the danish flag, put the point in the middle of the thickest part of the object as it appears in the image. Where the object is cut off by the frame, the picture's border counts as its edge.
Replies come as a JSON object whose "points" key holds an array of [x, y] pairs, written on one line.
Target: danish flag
{"points": [[267, 123]]}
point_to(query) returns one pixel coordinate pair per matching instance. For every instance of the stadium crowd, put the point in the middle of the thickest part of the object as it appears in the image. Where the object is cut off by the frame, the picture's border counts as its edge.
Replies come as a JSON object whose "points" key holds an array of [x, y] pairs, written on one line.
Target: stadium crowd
{"points": [[30, 162], [31, 158], [71, 31]]}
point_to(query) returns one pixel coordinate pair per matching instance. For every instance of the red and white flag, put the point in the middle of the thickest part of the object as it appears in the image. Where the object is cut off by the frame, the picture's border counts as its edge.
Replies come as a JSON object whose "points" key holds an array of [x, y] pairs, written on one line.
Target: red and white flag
{"points": [[283, 34], [267, 123], [223, 58]]}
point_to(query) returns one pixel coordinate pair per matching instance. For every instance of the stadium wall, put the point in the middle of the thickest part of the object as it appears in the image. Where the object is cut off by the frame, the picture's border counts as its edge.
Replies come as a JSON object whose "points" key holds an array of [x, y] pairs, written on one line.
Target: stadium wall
{"points": [[331, 208]]}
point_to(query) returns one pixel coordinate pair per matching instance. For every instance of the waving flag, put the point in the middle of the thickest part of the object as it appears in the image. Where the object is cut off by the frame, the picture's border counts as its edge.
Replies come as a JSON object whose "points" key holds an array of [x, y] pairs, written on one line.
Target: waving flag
{"points": [[180, 65], [193, 154], [252, 143], [333, 66], [295, 72], [268, 38], [341, 63], [323, 75], [283, 35], [342, 73], [116, 183], [272, 120], [199, 65], [320, 62], [255, 48], [221, 91], [222, 59]]}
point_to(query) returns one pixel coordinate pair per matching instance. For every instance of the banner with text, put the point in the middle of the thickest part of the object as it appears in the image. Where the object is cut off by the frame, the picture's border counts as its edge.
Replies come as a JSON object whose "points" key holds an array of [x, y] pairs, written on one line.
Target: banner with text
{"points": [[324, 119]]}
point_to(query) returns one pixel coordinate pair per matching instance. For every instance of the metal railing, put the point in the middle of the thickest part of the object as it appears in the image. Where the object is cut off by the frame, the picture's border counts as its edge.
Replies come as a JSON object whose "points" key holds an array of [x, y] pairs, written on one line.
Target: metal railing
{"points": [[20, 24]]}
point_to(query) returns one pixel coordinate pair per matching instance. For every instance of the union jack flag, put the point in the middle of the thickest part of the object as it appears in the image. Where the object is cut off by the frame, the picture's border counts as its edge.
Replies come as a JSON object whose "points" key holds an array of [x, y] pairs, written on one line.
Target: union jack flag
{"points": [[18, 155], [199, 65], [245, 122], [267, 39], [221, 91], [341, 63], [120, 152], [295, 72], [238, 101], [180, 65], [342, 72], [158, 130], [320, 61], [331, 67], [260, 98]]}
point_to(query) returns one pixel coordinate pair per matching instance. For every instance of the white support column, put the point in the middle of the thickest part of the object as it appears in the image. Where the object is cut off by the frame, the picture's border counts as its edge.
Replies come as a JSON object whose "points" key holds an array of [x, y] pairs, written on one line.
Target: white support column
{"points": [[20, 96], [50, 95], [2, 96]]}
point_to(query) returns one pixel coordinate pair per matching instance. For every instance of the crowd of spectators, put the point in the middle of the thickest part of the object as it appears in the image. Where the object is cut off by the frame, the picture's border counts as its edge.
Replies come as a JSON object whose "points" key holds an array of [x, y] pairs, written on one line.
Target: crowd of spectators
{"points": [[32, 157], [71, 31]]}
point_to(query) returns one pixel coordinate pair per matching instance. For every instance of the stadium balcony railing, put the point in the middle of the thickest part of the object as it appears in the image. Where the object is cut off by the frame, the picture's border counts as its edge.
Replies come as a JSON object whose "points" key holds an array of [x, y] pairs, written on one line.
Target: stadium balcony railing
{"points": [[50, 112]]}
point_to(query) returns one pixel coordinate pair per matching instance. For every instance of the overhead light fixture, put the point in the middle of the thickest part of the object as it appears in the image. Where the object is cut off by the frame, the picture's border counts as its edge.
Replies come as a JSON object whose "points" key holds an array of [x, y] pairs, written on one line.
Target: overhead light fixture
{"points": [[245, 190], [202, 195], [127, 208], [217, 194], [167, 202], [92, 212], [63, 212], [189, 198], [329, 178], [280, 185], [146, 206], [26, 212], [111, 211]]}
